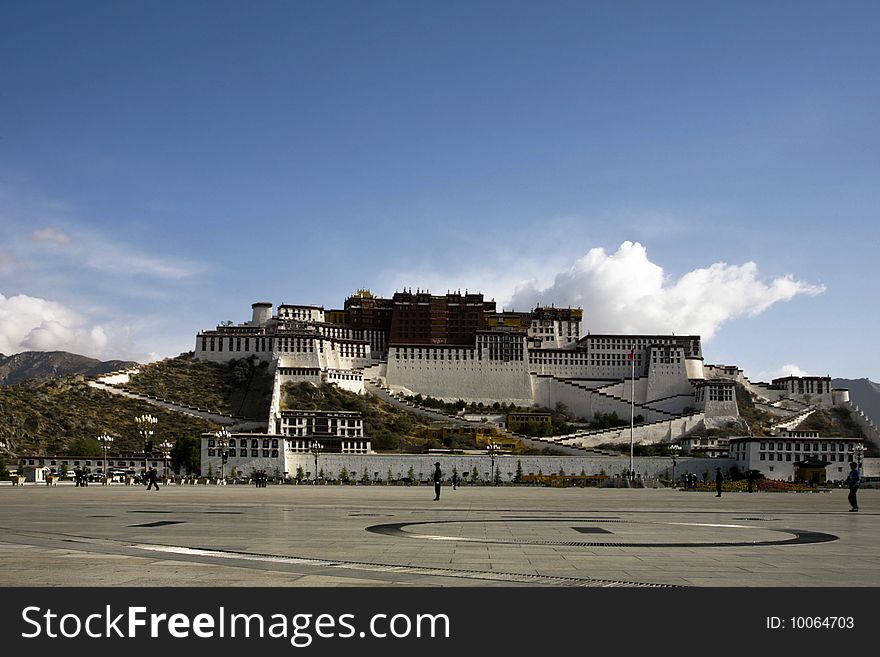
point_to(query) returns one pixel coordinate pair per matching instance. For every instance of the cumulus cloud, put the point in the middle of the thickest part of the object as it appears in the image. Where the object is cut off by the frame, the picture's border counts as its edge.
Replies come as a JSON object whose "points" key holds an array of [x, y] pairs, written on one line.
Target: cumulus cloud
{"points": [[625, 292], [30, 323], [784, 370], [52, 235]]}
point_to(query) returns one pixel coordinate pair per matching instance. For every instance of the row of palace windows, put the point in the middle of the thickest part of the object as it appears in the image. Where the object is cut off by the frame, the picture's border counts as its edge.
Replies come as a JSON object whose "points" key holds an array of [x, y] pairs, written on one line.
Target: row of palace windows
{"points": [[769, 456], [266, 453], [787, 446], [435, 354], [255, 442]]}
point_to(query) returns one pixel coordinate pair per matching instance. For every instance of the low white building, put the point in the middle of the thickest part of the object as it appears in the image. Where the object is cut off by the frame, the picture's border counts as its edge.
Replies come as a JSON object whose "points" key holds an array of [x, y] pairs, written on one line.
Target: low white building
{"points": [[795, 457], [129, 463]]}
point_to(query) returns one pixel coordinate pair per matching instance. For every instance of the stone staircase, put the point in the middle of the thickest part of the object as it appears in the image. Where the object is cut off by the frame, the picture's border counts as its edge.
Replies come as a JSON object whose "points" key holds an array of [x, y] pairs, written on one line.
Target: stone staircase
{"points": [[536, 442]]}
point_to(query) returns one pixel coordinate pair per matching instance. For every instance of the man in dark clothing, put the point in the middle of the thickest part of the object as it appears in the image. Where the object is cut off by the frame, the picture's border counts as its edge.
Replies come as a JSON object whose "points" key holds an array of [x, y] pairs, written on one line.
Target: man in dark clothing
{"points": [[853, 480], [438, 477], [152, 478], [454, 480], [750, 479], [719, 479]]}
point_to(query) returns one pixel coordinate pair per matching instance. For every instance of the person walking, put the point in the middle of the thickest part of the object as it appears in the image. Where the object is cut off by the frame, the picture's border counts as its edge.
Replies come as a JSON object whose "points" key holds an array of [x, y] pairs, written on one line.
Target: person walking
{"points": [[454, 480], [438, 478], [152, 479], [719, 479], [853, 480]]}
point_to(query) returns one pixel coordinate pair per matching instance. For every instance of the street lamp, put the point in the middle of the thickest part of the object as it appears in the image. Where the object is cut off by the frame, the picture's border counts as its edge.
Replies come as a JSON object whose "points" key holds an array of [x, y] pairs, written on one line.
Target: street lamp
{"points": [[674, 450], [105, 440], [145, 424], [223, 437], [492, 448], [165, 446], [315, 448], [860, 452]]}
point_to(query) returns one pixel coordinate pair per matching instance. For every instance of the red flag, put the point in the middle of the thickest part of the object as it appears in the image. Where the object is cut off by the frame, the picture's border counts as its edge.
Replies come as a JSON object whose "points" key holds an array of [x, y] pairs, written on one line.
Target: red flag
{"points": [[630, 355]]}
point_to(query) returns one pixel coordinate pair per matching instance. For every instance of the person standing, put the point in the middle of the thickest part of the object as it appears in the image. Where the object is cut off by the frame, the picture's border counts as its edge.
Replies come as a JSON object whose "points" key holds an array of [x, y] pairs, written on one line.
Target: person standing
{"points": [[853, 480], [454, 480], [438, 478], [719, 479], [750, 478]]}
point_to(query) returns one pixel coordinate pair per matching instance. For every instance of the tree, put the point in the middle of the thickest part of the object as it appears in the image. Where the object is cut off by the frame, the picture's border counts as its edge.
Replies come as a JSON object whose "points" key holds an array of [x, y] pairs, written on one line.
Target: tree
{"points": [[85, 447], [496, 479], [4, 473], [411, 473], [365, 478], [475, 474], [300, 473], [186, 455], [321, 473], [517, 479], [343, 475]]}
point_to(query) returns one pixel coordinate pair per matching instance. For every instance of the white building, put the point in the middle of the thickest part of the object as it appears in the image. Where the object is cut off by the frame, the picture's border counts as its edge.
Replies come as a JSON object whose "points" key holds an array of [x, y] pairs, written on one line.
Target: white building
{"points": [[795, 457]]}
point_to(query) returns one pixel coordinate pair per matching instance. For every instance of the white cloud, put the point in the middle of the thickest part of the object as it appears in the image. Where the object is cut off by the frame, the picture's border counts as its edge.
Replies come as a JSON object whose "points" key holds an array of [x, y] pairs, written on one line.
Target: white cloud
{"points": [[627, 293], [785, 370], [31, 323], [51, 235]]}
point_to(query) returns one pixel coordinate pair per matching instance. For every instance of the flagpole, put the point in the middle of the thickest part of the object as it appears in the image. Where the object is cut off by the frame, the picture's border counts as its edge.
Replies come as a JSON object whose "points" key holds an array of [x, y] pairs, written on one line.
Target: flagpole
{"points": [[632, 410]]}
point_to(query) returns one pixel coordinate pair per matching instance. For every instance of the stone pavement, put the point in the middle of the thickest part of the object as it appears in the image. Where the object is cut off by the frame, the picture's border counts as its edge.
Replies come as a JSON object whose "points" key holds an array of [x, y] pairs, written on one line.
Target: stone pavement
{"points": [[398, 536]]}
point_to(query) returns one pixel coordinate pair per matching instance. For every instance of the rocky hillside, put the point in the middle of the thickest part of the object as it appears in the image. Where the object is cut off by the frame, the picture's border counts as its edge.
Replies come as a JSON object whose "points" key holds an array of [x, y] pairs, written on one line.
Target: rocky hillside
{"points": [[54, 415], [240, 387], [31, 365]]}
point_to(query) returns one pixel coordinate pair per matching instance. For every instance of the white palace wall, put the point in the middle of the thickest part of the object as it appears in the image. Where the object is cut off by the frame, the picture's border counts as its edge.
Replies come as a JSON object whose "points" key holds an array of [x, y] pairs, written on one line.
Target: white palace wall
{"points": [[378, 465], [470, 378]]}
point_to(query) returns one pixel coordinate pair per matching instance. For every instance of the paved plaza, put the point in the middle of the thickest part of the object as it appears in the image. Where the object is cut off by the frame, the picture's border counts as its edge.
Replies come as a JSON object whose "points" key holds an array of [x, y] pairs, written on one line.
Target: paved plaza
{"points": [[398, 536]]}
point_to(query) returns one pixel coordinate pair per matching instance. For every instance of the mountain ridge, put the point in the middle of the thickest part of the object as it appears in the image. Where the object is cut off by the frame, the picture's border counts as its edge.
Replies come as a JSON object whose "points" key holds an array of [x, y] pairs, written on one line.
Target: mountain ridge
{"points": [[34, 365]]}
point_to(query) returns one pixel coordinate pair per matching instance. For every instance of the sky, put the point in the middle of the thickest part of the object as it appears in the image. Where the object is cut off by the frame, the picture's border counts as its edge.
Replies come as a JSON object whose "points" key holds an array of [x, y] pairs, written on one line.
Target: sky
{"points": [[674, 167]]}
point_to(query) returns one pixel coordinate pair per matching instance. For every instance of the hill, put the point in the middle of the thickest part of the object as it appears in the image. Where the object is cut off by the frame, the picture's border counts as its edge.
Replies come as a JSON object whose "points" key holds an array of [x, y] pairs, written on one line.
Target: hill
{"points": [[60, 415], [31, 365], [863, 393], [240, 387]]}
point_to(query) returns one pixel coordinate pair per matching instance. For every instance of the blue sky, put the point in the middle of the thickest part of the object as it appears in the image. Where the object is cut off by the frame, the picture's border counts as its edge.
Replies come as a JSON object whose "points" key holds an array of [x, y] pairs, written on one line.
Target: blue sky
{"points": [[705, 167]]}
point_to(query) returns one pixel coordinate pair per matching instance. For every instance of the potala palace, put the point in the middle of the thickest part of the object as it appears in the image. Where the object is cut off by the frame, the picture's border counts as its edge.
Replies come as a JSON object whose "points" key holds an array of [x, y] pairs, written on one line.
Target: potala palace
{"points": [[460, 347]]}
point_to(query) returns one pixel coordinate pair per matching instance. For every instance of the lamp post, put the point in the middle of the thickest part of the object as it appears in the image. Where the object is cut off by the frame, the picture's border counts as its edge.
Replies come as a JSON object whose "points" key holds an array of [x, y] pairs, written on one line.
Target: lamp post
{"points": [[146, 424], [315, 448], [674, 450], [165, 446], [492, 448], [223, 442], [860, 452], [105, 440]]}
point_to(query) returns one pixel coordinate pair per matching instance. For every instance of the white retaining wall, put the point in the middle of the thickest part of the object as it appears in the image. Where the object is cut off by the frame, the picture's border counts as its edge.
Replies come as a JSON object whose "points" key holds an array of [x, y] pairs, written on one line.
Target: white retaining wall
{"points": [[472, 380], [399, 465]]}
